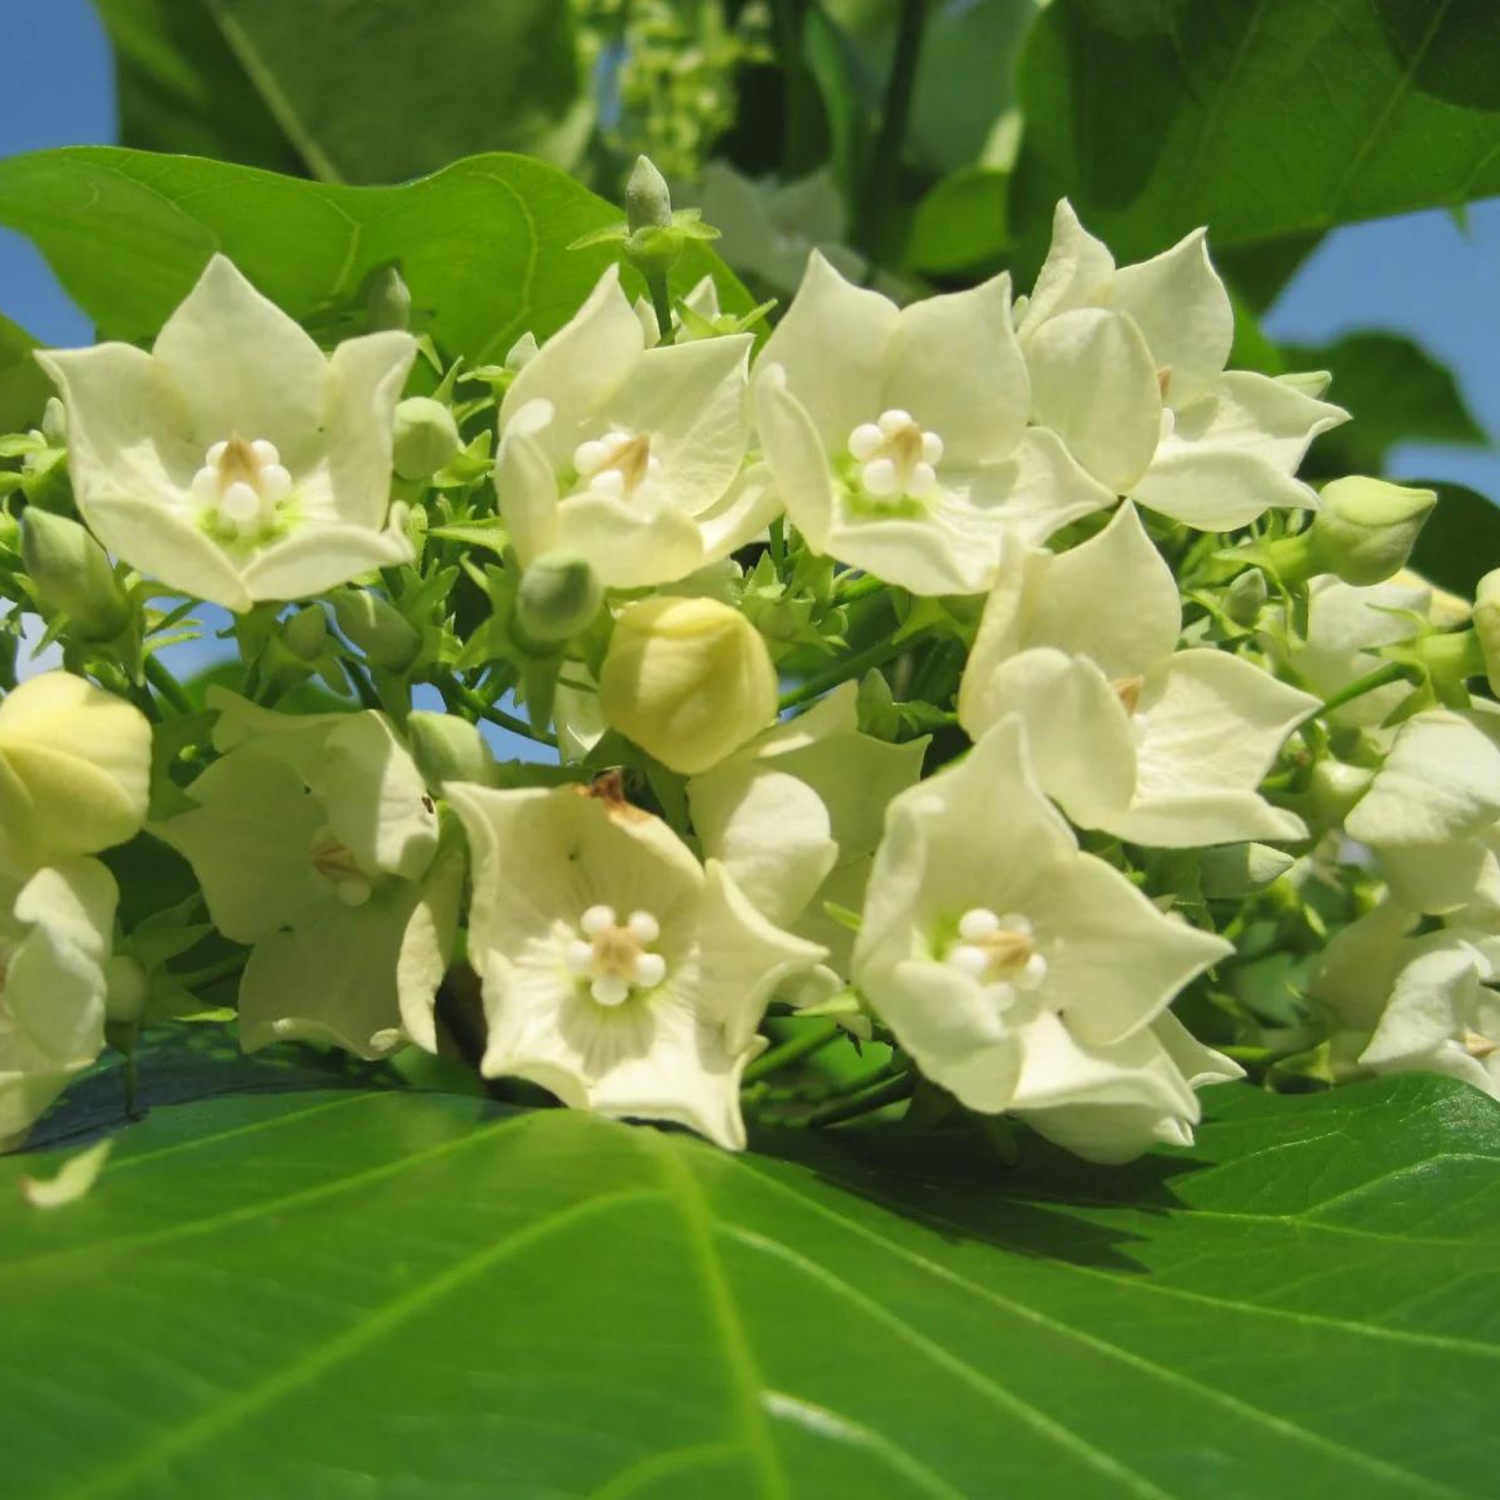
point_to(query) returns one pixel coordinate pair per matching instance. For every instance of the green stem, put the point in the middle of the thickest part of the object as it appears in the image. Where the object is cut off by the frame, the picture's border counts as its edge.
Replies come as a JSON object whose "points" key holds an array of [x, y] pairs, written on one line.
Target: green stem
{"points": [[860, 588], [803, 121], [456, 693], [891, 1091], [802, 1045], [661, 302], [169, 687], [851, 667], [1393, 671], [885, 159]]}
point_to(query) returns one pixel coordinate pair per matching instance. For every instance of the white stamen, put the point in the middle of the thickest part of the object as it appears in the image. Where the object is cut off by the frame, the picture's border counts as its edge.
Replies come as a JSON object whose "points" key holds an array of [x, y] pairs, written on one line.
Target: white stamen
{"points": [[997, 951], [881, 479], [610, 990], [968, 959], [579, 957], [240, 485], [978, 923], [610, 482], [895, 457], [597, 919], [275, 483], [644, 928], [590, 456], [265, 451], [240, 505], [216, 452], [649, 970]]}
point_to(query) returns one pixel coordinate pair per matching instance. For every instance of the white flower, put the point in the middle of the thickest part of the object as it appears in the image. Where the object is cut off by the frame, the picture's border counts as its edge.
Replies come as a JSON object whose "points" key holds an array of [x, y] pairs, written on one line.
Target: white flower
{"points": [[1128, 367], [898, 437], [236, 461], [1155, 745], [315, 840], [631, 457], [796, 816], [769, 228], [55, 928], [75, 770], [1416, 1004], [618, 972], [1019, 972], [1431, 812]]}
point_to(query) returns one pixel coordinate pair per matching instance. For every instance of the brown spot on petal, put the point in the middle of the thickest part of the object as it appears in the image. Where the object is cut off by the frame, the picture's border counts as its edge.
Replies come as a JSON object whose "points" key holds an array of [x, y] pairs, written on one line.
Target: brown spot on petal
{"points": [[1164, 380], [1128, 691], [238, 462], [1478, 1046], [609, 788]]}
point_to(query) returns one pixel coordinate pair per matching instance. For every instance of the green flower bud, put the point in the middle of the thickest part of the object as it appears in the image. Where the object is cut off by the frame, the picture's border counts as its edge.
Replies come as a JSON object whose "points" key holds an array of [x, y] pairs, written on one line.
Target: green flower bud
{"points": [[127, 989], [55, 423], [648, 200], [305, 634], [1232, 871], [1246, 597], [1364, 528], [73, 573], [689, 680], [1486, 619], [426, 437], [447, 748], [380, 630], [387, 301], [559, 595]]}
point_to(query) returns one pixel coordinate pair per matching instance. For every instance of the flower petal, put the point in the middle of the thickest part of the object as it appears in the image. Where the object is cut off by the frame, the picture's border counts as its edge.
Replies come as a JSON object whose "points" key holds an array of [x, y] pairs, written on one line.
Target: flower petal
{"points": [[318, 556], [366, 377], [1179, 303], [629, 548], [244, 368], [956, 366], [1077, 272], [1094, 383], [795, 456]]}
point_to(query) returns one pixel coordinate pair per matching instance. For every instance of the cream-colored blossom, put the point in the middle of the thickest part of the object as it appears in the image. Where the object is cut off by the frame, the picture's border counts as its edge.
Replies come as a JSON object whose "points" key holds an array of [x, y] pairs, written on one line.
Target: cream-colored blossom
{"points": [[55, 931], [75, 770], [1130, 735], [1127, 366], [236, 461], [1021, 973], [618, 972], [897, 436], [315, 841], [631, 457]]}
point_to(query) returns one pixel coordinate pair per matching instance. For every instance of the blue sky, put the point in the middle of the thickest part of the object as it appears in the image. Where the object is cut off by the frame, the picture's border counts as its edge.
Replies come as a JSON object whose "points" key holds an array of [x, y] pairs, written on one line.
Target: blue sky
{"points": [[1421, 275]]}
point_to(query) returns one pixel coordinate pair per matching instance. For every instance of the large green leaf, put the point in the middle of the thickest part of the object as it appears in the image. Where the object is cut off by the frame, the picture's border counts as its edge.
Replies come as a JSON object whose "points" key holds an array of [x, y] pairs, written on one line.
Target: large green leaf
{"points": [[375, 92], [1263, 119], [1398, 393], [23, 387], [483, 245], [356, 1293], [1460, 541]]}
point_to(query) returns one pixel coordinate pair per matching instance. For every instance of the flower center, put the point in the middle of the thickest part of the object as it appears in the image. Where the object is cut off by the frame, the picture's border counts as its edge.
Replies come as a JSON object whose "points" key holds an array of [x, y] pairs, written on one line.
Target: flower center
{"points": [[895, 458], [1478, 1046], [619, 465], [613, 958], [334, 861], [241, 485], [999, 952]]}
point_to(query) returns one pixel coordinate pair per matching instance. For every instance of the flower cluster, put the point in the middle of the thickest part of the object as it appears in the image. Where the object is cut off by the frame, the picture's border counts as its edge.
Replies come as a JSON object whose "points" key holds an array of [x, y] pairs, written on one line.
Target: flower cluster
{"points": [[965, 697]]}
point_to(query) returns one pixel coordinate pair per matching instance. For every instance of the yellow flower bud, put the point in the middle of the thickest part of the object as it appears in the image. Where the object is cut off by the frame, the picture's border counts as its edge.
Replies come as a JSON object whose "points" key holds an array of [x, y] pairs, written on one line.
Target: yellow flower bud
{"points": [[689, 680], [75, 768]]}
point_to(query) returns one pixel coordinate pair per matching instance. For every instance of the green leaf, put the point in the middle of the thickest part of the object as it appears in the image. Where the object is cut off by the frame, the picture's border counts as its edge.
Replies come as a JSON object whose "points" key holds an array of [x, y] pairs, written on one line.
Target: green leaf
{"points": [[1398, 393], [960, 224], [375, 92], [482, 244], [1266, 120], [23, 387], [339, 1293], [1460, 542]]}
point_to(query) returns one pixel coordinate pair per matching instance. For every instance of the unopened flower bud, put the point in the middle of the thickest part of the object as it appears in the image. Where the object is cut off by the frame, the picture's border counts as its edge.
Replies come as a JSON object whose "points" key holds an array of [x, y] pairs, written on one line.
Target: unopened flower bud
{"points": [[426, 437], [689, 680], [559, 595], [521, 353], [1246, 597], [1364, 529], [380, 630], [1486, 619], [127, 989], [55, 423], [387, 301], [72, 573], [305, 634], [447, 748], [648, 200], [1231, 871], [75, 767]]}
